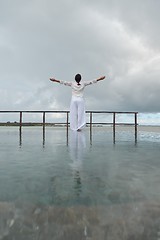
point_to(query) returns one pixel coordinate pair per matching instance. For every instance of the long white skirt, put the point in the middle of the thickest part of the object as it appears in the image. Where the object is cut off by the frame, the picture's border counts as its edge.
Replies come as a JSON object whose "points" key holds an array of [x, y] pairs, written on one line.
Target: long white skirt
{"points": [[77, 113]]}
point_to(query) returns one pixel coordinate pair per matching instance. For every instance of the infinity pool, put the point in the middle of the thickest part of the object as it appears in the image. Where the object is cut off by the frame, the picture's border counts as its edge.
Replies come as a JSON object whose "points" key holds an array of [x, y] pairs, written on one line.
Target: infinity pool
{"points": [[78, 185]]}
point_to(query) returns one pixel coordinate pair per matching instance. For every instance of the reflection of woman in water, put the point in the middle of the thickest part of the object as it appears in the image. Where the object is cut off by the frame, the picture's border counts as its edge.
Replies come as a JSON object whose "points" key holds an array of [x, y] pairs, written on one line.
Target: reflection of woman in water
{"points": [[77, 106], [77, 150]]}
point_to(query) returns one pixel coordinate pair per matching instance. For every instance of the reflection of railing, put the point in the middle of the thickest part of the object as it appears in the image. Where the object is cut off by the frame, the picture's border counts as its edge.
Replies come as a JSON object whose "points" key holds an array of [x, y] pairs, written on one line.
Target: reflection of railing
{"points": [[113, 123]]}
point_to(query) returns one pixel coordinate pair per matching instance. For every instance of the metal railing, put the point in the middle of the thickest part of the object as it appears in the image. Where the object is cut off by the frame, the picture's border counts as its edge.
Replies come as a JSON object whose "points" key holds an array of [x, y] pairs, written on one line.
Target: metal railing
{"points": [[91, 123]]}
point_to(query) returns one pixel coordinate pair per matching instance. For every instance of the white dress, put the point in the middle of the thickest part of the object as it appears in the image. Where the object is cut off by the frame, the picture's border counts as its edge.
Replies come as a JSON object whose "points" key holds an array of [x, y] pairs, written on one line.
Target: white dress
{"points": [[77, 106]]}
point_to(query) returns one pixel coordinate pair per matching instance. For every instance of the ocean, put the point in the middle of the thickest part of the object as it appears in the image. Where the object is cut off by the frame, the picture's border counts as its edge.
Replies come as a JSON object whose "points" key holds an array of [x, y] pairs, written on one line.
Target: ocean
{"points": [[80, 185]]}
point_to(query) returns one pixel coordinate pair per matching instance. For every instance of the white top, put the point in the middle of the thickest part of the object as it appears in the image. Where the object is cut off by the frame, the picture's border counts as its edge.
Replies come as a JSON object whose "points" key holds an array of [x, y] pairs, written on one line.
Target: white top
{"points": [[77, 90]]}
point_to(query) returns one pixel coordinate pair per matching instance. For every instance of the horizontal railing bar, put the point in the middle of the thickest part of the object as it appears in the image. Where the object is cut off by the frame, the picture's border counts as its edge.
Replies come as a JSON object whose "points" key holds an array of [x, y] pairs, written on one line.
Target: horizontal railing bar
{"points": [[37, 111], [58, 111], [93, 123], [110, 112]]}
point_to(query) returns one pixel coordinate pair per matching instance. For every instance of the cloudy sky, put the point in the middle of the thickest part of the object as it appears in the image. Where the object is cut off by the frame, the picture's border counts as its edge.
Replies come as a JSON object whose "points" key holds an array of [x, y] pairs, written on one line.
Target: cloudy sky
{"points": [[49, 38]]}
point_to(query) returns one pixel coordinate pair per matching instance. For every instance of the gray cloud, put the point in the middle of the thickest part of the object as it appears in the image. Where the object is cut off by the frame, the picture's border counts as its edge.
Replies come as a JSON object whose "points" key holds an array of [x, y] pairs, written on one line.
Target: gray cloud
{"points": [[119, 39]]}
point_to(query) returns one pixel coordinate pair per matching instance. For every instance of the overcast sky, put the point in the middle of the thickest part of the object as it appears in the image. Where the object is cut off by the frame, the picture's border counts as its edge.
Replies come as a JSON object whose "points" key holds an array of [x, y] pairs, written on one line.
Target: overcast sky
{"points": [[49, 38]]}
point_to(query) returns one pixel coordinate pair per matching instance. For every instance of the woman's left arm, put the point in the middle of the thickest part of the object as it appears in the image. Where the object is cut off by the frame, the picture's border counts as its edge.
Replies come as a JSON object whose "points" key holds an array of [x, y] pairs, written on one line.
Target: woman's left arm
{"points": [[94, 81]]}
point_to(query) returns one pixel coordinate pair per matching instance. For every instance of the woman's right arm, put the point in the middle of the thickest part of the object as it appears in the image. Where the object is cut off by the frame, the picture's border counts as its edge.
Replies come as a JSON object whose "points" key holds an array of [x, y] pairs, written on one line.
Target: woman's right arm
{"points": [[61, 82]]}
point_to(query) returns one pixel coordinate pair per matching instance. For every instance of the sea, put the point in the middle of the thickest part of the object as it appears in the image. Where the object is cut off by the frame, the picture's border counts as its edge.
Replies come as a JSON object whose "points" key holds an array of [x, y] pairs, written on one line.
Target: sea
{"points": [[60, 184]]}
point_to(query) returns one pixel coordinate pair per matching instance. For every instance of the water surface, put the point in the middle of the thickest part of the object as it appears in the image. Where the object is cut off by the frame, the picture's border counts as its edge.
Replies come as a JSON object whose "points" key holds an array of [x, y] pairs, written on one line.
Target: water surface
{"points": [[55, 185]]}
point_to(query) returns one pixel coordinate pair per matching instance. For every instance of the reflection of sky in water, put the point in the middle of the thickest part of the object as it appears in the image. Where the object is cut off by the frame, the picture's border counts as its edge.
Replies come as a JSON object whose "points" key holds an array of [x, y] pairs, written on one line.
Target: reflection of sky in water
{"points": [[76, 187], [74, 171]]}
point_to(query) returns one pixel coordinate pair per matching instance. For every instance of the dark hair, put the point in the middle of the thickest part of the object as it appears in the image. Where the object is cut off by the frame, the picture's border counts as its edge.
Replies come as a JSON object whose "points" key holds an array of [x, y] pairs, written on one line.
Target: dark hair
{"points": [[78, 78]]}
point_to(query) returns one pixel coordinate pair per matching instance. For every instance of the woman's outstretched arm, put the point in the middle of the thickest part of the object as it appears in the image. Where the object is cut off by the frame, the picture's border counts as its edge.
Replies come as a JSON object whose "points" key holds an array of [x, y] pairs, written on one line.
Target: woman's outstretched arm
{"points": [[61, 82], [94, 81]]}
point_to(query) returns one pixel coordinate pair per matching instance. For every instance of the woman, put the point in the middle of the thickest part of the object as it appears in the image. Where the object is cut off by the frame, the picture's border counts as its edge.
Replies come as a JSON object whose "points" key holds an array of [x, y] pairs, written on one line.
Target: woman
{"points": [[77, 106]]}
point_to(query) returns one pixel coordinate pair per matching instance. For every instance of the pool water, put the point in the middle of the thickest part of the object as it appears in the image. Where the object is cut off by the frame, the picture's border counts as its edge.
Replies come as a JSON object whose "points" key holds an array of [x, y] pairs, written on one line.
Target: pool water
{"points": [[77, 185]]}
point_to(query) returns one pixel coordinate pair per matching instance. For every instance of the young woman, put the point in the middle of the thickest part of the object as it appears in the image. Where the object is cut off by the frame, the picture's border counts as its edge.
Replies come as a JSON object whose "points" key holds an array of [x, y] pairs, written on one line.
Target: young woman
{"points": [[77, 106]]}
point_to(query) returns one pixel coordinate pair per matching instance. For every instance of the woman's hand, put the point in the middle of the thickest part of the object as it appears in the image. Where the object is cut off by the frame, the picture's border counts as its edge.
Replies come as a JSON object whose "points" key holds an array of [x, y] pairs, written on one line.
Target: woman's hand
{"points": [[54, 80], [101, 78]]}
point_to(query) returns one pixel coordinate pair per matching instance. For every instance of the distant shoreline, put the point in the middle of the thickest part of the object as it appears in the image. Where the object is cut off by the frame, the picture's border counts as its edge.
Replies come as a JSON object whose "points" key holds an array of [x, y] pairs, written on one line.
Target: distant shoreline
{"points": [[34, 124]]}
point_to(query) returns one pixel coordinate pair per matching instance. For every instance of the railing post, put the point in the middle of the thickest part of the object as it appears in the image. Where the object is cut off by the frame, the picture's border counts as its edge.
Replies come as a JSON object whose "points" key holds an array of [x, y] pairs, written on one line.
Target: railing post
{"points": [[20, 119], [135, 117], [114, 126], [91, 128], [20, 128], [44, 123], [44, 119], [67, 123], [67, 120], [90, 121]]}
